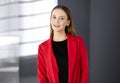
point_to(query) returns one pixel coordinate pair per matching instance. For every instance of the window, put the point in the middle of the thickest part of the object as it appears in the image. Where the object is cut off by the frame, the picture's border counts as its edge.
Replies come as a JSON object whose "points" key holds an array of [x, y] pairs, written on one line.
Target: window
{"points": [[34, 20]]}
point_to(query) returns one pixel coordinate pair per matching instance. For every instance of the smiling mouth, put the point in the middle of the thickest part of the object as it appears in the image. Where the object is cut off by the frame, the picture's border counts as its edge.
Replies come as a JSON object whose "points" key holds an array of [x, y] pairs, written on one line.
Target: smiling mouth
{"points": [[56, 26]]}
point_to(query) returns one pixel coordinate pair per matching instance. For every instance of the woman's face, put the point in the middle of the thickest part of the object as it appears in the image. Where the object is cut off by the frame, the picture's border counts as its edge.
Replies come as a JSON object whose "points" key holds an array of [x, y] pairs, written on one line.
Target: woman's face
{"points": [[59, 20]]}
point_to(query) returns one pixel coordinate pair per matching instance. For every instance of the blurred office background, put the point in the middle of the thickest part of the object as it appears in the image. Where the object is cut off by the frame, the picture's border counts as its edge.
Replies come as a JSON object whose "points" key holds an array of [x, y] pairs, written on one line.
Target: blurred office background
{"points": [[24, 24]]}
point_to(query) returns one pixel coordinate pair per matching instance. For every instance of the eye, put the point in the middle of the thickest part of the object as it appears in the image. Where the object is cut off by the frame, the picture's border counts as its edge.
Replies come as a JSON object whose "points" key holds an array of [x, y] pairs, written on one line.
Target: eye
{"points": [[53, 17], [61, 18]]}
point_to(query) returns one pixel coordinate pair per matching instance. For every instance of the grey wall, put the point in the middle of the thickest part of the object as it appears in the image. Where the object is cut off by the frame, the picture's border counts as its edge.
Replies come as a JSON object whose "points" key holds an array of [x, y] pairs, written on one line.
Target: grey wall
{"points": [[98, 22], [80, 10], [105, 41]]}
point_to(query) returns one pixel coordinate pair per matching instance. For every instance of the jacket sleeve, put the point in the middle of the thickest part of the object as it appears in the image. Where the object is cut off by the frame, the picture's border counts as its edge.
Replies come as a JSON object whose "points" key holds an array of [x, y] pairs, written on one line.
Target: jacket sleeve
{"points": [[41, 66], [84, 63]]}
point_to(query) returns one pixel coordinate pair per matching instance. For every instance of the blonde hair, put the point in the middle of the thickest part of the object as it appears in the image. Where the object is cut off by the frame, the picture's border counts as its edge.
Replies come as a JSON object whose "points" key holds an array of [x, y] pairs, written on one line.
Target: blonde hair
{"points": [[68, 29]]}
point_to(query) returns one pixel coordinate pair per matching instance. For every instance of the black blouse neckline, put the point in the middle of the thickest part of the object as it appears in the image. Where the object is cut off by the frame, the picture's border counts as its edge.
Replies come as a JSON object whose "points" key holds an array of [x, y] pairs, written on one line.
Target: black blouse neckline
{"points": [[59, 41]]}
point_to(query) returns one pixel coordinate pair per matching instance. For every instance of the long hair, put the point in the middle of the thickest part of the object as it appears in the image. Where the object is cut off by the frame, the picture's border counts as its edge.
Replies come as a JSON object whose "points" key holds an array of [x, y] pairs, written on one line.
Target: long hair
{"points": [[68, 29]]}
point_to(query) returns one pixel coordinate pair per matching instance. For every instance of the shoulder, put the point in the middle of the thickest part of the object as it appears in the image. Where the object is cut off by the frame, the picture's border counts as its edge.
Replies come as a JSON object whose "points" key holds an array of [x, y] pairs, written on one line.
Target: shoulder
{"points": [[76, 38], [80, 43], [44, 44]]}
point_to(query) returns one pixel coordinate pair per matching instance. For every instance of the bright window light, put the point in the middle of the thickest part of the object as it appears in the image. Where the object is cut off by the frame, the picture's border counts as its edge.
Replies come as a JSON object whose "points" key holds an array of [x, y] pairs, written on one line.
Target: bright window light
{"points": [[35, 21], [8, 40], [29, 49], [34, 25], [33, 35]]}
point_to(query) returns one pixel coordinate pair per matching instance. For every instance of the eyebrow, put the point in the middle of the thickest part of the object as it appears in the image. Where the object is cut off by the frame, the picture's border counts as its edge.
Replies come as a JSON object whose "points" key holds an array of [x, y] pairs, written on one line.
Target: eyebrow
{"points": [[60, 16]]}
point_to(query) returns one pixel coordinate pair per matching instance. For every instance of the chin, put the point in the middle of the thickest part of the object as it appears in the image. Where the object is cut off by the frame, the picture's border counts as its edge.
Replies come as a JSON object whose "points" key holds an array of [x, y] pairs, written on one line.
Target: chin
{"points": [[58, 31]]}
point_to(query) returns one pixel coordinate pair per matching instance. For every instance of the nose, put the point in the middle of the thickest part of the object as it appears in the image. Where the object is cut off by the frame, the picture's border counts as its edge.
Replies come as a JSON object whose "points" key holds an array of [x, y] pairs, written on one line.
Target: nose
{"points": [[56, 21]]}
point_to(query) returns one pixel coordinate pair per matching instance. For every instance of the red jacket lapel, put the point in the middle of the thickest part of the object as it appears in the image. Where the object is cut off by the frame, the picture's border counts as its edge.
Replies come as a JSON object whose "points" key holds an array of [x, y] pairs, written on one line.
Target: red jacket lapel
{"points": [[52, 63], [71, 56]]}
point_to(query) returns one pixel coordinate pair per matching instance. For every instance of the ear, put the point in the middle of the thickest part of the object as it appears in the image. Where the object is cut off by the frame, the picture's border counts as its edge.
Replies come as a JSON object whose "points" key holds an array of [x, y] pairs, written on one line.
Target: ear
{"points": [[68, 23]]}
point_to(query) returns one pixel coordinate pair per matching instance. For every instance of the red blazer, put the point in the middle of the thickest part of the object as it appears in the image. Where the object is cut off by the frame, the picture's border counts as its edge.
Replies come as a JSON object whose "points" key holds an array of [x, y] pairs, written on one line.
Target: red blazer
{"points": [[77, 62]]}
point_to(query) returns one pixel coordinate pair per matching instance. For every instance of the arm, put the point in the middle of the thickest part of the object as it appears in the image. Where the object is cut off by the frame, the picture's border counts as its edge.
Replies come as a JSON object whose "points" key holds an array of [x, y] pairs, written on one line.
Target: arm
{"points": [[84, 63], [41, 67]]}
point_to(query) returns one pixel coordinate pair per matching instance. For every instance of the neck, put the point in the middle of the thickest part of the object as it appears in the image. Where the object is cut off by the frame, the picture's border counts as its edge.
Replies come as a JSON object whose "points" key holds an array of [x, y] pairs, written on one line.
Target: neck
{"points": [[59, 36]]}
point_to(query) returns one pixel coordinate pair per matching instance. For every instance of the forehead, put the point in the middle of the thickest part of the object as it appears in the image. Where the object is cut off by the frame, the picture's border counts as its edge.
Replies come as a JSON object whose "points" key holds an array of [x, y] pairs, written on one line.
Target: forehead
{"points": [[59, 12]]}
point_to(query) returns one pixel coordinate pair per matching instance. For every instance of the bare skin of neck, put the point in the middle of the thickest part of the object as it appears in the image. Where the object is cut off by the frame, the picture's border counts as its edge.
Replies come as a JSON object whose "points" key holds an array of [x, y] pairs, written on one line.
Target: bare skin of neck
{"points": [[59, 36]]}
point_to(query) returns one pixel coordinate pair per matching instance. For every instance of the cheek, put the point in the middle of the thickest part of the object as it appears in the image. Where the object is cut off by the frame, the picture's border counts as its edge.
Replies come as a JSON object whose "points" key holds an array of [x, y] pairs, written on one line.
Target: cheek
{"points": [[64, 24]]}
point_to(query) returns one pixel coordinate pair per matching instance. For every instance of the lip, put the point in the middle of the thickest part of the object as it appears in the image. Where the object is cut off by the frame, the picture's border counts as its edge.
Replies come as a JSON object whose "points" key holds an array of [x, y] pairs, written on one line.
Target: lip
{"points": [[56, 26]]}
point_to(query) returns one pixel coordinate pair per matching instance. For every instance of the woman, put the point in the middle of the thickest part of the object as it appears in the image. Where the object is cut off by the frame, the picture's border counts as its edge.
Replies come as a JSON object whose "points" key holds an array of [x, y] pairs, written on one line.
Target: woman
{"points": [[63, 57]]}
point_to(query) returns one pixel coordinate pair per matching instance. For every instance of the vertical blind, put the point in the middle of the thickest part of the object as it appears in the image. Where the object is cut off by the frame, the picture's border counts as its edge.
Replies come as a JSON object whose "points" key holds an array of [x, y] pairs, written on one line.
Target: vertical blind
{"points": [[27, 19], [9, 39], [24, 24], [34, 20]]}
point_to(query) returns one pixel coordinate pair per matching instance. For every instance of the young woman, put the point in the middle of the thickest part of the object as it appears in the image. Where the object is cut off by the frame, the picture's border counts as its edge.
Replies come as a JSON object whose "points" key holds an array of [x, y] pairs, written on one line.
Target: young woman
{"points": [[63, 57]]}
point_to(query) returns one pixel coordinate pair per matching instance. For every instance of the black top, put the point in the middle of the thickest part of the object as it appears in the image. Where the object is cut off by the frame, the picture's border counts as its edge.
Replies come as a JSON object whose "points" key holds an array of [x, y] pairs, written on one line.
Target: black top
{"points": [[61, 54]]}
